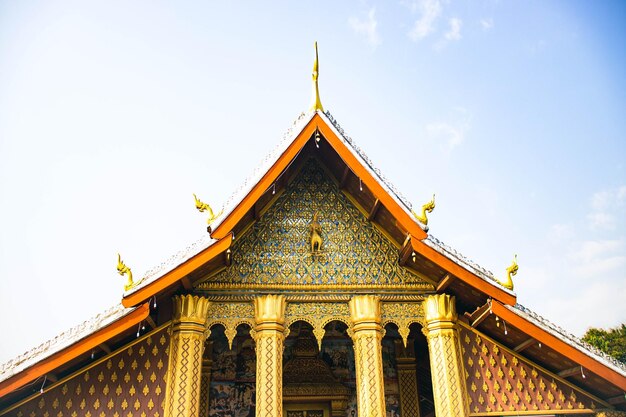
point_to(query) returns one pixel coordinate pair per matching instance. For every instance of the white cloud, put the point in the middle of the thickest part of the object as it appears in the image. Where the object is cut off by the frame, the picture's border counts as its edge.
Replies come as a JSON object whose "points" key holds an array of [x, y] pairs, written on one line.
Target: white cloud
{"points": [[454, 33], [596, 258], [429, 10], [607, 207], [577, 272], [367, 27], [581, 267], [486, 24], [450, 134], [559, 233]]}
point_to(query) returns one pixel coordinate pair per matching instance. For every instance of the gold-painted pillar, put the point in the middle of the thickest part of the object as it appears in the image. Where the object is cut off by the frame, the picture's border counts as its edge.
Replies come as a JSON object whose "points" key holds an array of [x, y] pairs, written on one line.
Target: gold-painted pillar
{"points": [[407, 379], [188, 334], [205, 385], [367, 334], [444, 348], [269, 316]]}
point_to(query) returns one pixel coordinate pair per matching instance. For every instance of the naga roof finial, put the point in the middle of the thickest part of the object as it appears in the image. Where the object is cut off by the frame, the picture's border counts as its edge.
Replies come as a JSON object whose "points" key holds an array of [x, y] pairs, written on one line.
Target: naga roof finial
{"points": [[426, 208], [316, 104], [511, 271], [202, 207], [122, 269]]}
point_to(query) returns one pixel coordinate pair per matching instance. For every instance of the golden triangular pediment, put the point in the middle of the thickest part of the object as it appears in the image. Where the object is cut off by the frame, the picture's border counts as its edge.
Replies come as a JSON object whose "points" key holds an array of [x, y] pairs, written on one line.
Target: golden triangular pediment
{"points": [[276, 251]]}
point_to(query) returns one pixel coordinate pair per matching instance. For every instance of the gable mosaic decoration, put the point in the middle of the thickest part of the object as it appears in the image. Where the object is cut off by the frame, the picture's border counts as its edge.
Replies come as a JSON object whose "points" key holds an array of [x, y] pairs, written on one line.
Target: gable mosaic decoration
{"points": [[348, 252]]}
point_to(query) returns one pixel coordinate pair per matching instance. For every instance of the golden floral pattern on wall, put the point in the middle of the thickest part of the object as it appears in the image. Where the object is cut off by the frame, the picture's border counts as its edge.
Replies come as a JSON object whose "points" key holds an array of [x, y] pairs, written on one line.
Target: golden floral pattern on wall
{"points": [[276, 249], [499, 380], [128, 383]]}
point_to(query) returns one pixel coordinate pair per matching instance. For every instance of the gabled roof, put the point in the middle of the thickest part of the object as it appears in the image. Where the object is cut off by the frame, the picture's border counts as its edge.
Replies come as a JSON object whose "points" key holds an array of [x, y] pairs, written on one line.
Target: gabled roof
{"points": [[177, 269], [69, 345], [272, 166]]}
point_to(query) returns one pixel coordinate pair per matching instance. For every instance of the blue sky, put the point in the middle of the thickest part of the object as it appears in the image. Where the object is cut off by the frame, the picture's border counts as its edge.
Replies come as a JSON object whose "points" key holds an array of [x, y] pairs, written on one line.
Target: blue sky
{"points": [[112, 114]]}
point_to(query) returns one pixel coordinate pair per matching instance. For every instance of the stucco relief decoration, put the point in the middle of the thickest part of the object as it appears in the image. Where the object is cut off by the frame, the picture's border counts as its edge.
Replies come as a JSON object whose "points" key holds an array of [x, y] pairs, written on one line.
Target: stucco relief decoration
{"points": [[402, 315], [276, 251], [317, 315], [231, 315]]}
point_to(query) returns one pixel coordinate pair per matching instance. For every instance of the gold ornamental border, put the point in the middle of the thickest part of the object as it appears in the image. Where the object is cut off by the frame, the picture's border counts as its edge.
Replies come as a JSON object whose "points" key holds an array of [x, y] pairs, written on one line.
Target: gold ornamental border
{"points": [[231, 316], [313, 298], [315, 287], [402, 315], [318, 314]]}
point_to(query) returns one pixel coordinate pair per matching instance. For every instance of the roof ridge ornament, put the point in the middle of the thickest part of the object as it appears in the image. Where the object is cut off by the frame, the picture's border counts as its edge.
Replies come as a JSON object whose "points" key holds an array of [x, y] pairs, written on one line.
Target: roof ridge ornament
{"points": [[426, 208], [511, 271], [122, 269], [316, 104], [202, 207]]}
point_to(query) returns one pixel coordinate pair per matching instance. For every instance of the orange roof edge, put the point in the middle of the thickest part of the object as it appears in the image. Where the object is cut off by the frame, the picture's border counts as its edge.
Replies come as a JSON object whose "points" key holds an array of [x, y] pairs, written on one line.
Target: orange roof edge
{"points": [[177, 273], [317, 122], [463, 274], [390, 203], [560, 346], [227, 225], [82, 346]]}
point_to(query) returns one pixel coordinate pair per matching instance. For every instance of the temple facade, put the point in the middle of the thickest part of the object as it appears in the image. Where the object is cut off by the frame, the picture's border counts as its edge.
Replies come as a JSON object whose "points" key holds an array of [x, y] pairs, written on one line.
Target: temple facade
{"points": [[317, 292]]}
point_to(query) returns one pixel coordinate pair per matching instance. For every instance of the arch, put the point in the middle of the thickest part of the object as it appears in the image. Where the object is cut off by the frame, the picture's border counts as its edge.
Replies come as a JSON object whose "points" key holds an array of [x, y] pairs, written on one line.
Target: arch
{"points": [[230, 327]]}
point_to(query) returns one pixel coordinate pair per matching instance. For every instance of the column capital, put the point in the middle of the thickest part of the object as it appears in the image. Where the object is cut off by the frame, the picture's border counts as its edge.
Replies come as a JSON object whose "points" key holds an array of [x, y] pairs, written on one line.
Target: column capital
{"points": [[365, 312], [190, 311], [269, 312], [439, 309]]}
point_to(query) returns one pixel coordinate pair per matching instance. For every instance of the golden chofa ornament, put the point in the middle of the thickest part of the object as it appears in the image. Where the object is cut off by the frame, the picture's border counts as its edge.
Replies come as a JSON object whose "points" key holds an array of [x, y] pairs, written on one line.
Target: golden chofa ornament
{"points": [[426, 208], [316, 103], [511, 271], [122, 269], [202, 207]]}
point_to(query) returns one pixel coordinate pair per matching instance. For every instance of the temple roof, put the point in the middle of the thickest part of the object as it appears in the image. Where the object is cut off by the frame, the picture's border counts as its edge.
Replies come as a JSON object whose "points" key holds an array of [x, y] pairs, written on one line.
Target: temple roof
{"points": [[63, 340], [164, 279], [269, 160], [569, 338]]}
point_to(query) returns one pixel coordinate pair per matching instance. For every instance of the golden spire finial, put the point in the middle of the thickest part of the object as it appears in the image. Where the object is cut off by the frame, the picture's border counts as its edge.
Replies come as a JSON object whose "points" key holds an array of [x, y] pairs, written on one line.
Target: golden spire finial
{"points": [[316, 104], [202, 207], [511, 271], [426, 208], [122, 269]]}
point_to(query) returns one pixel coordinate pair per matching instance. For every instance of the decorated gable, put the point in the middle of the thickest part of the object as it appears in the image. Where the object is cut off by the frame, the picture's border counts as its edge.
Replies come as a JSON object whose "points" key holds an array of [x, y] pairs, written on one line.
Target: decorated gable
{"points": [[282, 249]]}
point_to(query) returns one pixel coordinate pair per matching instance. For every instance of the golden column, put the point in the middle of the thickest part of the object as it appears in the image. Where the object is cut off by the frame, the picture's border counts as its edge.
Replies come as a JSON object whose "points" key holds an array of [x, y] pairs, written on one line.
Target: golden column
{"points": [[188, 334], [367, 334], [205, 385], [407, 378], [444, 348], [269, 315]]}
